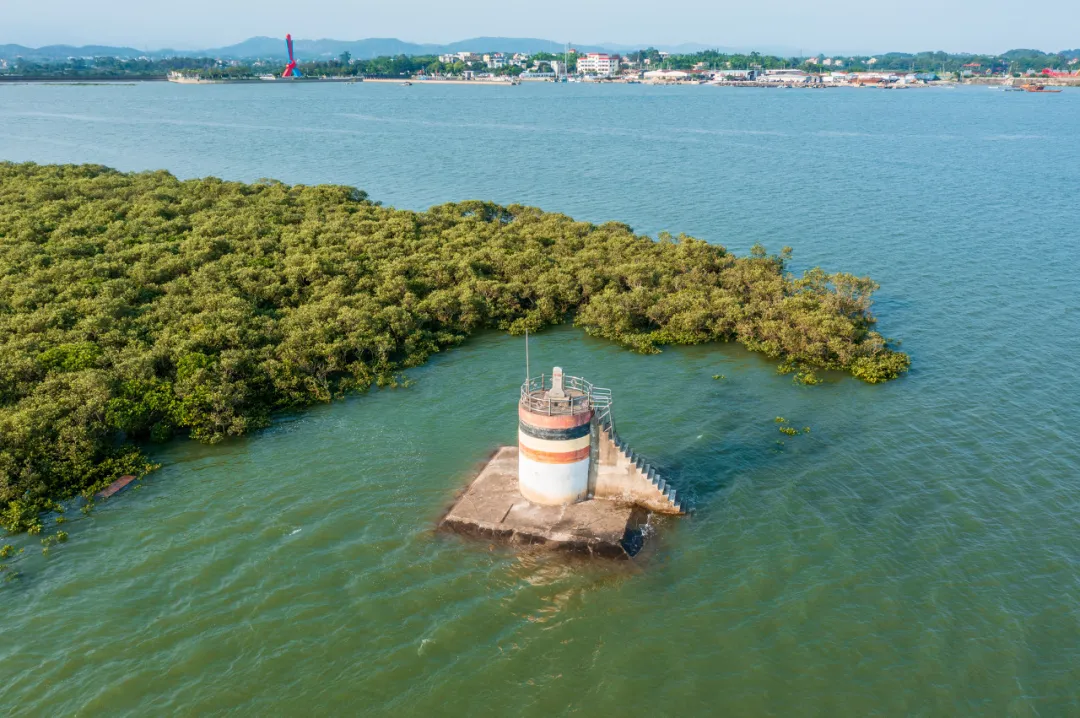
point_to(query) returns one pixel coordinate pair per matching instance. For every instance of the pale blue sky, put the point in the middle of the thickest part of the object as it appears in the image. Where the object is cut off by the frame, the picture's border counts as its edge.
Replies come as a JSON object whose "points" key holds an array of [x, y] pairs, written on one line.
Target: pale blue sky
{"points": [[837, 26]]}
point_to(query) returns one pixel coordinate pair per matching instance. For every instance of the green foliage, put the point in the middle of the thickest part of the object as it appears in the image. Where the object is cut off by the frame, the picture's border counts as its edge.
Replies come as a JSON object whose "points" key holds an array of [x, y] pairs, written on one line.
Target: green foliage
{"points": [[807, 377], [782, 425], [70, 357], [137, 307], [6, 551], [880, 367]]}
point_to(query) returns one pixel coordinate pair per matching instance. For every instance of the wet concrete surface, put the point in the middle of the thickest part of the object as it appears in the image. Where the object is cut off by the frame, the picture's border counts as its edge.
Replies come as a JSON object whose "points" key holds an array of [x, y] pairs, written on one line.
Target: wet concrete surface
{"points": [[492, 508]]}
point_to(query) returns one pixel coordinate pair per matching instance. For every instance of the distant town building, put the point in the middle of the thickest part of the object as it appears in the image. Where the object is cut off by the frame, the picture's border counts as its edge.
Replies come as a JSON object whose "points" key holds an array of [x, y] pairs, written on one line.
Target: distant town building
{"points": [[495, 60], [737, 74], [785, 76], [598, 63], [666, 75], [872, 61]]}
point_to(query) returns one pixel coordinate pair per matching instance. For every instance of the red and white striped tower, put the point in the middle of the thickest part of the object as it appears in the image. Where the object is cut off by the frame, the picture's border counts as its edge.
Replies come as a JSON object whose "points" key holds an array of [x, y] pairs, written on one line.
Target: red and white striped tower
{"points": [[554, 441]]}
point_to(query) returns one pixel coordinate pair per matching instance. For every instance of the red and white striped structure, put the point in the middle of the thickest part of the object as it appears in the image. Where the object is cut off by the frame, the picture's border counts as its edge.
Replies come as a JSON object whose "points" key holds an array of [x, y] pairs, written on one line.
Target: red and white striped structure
{"points": [[554, 440]]}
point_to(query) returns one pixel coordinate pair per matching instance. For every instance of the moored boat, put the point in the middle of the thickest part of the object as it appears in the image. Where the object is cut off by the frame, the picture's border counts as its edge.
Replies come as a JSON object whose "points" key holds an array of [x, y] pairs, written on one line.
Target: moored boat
{"points": [[1036, 88]]}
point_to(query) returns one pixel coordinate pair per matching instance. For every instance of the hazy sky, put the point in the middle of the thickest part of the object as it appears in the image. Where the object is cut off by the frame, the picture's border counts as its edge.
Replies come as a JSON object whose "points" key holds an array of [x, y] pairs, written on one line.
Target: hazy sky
{"points": [[838, 26]]}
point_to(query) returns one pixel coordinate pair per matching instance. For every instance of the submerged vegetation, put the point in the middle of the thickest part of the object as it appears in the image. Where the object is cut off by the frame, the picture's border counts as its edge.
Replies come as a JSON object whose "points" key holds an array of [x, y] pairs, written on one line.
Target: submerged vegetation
{"points": [[136, 307]]}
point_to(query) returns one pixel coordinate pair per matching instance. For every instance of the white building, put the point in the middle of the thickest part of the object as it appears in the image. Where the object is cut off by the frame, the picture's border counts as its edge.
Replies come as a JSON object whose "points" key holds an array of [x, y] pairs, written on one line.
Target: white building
{"points": [[557, 66], [666, 76], [598, 63], [736, 74], [784, 76], [495, 61]]}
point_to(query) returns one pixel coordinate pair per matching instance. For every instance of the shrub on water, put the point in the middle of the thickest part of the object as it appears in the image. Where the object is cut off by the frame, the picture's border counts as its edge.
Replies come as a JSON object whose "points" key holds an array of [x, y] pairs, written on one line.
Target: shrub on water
{"points": [[881, 367]]}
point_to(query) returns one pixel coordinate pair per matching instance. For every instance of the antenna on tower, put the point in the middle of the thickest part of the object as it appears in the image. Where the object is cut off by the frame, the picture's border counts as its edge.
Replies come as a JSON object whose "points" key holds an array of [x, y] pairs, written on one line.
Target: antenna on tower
{"points": [[527, 374]]}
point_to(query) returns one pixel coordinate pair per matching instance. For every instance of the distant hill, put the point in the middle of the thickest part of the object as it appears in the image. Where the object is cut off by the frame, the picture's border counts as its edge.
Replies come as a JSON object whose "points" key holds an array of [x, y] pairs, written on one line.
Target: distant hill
{"points": [[274, 47], [53, 53]]}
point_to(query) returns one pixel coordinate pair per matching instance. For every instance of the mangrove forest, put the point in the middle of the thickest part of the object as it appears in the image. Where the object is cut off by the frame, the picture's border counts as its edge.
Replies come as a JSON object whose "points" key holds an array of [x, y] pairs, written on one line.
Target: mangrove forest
{"points": [[135, 307]]}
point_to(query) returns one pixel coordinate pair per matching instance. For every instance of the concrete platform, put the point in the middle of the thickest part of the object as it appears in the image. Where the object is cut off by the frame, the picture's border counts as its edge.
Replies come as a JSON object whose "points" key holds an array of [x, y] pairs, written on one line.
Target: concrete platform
{"points": [[492, 507]]}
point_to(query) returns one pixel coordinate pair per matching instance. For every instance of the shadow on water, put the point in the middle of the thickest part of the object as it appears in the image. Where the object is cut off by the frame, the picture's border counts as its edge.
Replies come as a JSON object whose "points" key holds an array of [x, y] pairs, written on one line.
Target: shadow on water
{"points": [[705, 474]]}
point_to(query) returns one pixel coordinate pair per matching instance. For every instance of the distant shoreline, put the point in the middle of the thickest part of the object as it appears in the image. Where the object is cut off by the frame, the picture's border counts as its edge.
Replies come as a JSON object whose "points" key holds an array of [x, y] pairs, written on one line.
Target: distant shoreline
{"points": [[26, 79], [112, 80]]}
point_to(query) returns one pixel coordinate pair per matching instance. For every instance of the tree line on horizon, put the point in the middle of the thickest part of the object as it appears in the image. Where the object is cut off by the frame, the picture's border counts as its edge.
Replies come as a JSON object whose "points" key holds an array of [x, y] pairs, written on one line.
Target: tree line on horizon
{"points": [[135, 307], [1017, 61]]}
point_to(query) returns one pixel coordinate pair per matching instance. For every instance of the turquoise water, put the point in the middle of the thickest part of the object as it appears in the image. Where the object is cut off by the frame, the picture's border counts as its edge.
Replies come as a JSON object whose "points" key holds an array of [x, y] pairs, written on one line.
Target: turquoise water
{"points": [[917, 553]]}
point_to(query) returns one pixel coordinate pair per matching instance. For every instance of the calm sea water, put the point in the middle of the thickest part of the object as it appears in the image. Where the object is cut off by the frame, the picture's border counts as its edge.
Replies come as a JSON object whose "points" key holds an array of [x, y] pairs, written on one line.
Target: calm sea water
{"points": [[917, 553]]}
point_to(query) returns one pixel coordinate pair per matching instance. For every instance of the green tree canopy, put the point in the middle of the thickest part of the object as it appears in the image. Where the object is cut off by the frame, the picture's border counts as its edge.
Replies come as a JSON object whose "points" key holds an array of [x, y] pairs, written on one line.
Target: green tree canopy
{"points": [[136, 307]]}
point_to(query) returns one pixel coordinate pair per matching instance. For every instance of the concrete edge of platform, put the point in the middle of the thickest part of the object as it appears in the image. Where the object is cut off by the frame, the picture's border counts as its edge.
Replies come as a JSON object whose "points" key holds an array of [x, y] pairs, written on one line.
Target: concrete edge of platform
{"points": [[491, 507], [626, 547]]}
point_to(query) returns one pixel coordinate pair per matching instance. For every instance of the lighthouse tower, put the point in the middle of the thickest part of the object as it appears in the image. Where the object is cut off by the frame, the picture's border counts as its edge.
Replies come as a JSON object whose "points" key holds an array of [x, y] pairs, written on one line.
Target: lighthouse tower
{"points": [[554, 439], [571, 482]]}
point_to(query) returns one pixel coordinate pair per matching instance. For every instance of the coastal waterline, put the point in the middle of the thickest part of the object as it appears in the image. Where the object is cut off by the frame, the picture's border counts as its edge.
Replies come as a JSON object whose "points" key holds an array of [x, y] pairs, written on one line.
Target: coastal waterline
{"points": [[915, 552]]}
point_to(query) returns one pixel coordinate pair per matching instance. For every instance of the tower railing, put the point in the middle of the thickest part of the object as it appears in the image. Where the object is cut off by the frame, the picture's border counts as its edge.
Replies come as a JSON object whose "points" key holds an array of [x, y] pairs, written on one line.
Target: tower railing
{"points": [[580, 396]]}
